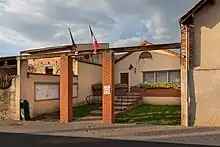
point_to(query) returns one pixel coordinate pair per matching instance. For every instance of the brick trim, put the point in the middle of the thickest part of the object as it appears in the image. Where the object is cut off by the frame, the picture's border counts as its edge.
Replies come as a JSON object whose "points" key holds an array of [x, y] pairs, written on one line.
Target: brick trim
{"points": [[66, 92], [108, 80]]}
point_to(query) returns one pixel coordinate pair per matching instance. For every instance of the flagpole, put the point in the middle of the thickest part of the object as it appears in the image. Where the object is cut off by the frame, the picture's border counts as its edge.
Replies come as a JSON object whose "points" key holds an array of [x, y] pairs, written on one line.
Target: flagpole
{"points": [[92, 39], [73, 43]]}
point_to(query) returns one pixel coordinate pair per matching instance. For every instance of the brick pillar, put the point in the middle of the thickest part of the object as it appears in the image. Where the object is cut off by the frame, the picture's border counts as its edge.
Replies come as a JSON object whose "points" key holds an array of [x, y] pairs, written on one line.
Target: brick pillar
{"points": [[108, 83], [66, 89]]}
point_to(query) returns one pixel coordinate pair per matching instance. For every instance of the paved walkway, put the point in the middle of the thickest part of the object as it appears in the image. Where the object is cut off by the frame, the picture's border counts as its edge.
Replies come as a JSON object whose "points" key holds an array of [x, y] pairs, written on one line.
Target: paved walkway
{"points": [[172, 134]]}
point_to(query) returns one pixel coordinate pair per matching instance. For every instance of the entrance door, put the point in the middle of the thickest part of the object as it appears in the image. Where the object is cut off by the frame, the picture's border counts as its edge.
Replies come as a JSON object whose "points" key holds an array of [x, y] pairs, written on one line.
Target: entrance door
{"points": [[124, 78]]}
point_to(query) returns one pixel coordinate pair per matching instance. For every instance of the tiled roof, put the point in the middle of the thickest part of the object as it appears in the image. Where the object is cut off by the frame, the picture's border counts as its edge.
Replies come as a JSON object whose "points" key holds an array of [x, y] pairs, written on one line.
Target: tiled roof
{"points": [[42, 49], [145, 43]]}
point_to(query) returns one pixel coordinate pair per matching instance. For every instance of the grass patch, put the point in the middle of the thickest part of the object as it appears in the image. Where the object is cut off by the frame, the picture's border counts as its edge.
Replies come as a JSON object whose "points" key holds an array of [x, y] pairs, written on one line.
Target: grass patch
{"points": [[78, 112], [151, 114], [83, 111]]}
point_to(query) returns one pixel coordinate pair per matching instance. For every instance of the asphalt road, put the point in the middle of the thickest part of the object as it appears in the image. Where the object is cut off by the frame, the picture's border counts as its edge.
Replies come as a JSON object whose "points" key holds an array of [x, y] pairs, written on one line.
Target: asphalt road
{"points": [[28, 140]]}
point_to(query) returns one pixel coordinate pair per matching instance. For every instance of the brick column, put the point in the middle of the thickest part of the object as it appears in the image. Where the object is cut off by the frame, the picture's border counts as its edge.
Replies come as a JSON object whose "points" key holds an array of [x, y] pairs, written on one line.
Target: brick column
{"points": [[108, 84], [66, 89]]}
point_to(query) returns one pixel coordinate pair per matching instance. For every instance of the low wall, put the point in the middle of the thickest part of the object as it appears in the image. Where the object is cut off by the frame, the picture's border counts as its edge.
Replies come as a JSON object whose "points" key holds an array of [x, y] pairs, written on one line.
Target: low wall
{"points": [[162, 100], [160, 96], [7, 102], [161, 93]]}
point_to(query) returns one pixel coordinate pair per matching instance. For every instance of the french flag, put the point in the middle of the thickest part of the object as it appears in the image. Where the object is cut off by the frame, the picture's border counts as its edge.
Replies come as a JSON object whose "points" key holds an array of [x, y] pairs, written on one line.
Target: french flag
{"points": [[95, 42]]}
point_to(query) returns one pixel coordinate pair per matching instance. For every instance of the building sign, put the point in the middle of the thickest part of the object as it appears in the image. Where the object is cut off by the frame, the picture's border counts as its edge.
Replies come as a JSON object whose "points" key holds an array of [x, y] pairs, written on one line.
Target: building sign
{"points": [[107, 89]]}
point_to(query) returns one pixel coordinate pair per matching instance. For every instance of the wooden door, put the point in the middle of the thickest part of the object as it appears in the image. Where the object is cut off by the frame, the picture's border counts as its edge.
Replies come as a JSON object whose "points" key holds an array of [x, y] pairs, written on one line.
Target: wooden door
{"points": [[124, 78]]}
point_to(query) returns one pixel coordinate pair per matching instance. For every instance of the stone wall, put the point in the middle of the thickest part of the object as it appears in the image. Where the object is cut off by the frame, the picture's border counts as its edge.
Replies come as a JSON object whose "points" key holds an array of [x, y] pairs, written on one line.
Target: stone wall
{"points": [[7, 102], [38, 65]]}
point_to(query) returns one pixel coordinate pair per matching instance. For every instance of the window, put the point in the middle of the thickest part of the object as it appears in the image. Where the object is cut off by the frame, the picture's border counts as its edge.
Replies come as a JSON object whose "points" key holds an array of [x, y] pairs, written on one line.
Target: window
{"points": [[172, 76], [75, 90], [149, 77], [145, 55], [161, 76], [49, 70]]}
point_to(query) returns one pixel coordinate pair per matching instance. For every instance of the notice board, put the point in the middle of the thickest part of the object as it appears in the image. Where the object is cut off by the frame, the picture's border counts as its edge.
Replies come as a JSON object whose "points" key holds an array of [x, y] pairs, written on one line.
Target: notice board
{"points": [[47, 91]]}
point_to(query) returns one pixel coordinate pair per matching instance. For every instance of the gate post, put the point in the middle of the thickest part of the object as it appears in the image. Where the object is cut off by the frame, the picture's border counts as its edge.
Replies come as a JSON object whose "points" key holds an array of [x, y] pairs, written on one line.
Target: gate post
{"points": [[108, 92], [66, 78]]}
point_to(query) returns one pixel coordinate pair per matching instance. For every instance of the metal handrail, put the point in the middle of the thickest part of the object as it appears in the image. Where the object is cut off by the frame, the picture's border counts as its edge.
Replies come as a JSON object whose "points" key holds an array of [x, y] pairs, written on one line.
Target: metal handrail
{"points": [[88, 99], [91, 97]]}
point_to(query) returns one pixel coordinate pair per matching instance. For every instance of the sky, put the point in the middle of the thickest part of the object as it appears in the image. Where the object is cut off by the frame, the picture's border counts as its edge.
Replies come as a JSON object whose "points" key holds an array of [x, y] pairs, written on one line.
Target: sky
{"points": [[26, 24]]}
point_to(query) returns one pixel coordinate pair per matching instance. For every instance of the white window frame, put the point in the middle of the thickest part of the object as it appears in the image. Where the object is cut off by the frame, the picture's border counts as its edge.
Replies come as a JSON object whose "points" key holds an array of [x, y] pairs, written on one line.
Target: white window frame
{"points": [[75, 95], [167, 71]]}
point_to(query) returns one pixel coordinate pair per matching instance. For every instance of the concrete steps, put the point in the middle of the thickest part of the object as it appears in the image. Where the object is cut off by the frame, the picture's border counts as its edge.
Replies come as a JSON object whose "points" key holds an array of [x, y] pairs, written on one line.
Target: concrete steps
{"points": [[121, 103], [99, 113], [117, 108]]}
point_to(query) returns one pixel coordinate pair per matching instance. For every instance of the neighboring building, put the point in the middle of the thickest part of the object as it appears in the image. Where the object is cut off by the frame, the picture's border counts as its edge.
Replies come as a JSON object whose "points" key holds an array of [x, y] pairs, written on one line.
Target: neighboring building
{"points": [[40, 79], [200, 29], [147, 67], [8, 66], [8, 72]]}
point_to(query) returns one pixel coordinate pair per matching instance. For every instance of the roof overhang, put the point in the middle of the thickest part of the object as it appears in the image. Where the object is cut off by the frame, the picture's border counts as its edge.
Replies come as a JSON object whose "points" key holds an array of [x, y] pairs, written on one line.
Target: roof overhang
{"points": [[99, 51], [7, 58], [188, 17], [54, 49]]}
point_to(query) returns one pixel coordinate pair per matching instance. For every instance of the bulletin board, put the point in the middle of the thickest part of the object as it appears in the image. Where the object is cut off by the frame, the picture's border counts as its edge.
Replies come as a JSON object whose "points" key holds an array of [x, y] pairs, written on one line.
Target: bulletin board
{"points": [[47, 91]]}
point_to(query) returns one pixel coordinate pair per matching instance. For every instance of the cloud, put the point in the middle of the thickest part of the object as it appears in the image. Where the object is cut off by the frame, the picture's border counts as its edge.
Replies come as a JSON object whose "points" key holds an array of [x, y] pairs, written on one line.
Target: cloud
{"points": [[36, 23], [129, 41]]}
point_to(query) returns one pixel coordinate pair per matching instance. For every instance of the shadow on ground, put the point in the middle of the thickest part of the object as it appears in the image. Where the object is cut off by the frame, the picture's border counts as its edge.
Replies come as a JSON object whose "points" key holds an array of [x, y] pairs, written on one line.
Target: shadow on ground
{"points": [[27, 140], [78, 112]]}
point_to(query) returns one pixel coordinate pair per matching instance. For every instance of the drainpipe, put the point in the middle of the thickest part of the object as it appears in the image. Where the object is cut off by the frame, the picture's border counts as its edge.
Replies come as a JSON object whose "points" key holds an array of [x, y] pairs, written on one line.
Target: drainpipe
{"points": [[187, 67]]}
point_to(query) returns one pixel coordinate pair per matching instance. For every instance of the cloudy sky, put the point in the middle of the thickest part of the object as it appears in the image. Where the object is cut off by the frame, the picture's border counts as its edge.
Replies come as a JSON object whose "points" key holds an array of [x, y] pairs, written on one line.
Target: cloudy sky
{"points": [[28, 24]]}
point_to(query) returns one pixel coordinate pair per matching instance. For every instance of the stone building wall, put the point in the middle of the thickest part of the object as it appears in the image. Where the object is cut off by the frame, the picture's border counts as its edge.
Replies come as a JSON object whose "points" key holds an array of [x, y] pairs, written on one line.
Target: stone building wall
{"points": [[7, 102], [38, 65]]}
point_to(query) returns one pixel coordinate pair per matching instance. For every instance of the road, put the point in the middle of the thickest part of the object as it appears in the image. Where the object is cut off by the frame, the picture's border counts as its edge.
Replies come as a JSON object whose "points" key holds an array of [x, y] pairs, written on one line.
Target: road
{"points": [[30, 140], [40, 134]]}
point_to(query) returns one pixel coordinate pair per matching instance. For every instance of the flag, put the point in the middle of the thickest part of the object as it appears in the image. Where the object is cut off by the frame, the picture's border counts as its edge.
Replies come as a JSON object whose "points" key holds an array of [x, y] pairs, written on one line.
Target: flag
{"points": [[95, 42], [73, 42]]}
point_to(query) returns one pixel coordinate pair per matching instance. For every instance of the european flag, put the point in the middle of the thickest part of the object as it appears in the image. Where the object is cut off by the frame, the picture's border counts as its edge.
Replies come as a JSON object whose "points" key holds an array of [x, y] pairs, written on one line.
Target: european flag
{"points": [[73, 42]]}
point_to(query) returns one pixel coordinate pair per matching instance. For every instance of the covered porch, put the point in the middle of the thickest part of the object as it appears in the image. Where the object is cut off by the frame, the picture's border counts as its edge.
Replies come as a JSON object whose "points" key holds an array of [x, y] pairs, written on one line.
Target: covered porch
{"points": [[108, 59]]}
